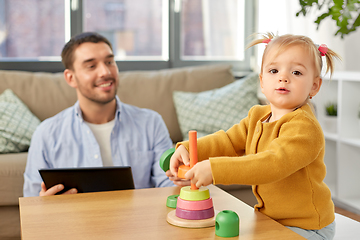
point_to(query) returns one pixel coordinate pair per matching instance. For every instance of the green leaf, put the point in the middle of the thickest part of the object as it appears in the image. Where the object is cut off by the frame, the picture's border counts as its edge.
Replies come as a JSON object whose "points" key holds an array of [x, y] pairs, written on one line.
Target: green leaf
{"points": [[335, 13], [321, 17], [338, 3], [356, 23], [305, 4]]}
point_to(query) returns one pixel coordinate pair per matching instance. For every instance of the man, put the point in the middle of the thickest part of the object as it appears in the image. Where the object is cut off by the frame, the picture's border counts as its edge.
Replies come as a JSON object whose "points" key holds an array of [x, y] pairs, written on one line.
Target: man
{"points": [[98, 130]]}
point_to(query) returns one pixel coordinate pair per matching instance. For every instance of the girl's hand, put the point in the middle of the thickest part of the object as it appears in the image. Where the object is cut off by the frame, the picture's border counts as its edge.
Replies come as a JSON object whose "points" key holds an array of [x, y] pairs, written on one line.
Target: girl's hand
{"points": [[200, 174], [180, 156]]}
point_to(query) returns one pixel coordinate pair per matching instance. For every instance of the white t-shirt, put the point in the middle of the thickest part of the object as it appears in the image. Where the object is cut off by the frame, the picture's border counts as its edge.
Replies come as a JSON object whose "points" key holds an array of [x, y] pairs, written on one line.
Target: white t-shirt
{"points": [[102, 133]]}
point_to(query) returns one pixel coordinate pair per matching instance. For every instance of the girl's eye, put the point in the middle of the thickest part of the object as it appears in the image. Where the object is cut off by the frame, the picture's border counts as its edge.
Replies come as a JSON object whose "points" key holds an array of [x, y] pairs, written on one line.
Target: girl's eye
{"points": [[297, 73], [273, 71]]}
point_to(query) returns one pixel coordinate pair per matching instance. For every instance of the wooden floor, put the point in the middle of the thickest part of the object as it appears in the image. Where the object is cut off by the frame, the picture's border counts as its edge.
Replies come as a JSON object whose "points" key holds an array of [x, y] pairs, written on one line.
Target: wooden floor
{"points": [[347, 214]]}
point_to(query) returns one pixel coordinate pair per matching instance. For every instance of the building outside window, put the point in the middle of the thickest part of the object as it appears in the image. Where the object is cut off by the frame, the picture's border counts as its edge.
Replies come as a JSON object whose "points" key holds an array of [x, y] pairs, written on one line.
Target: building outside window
{"points": [[146, 33]]}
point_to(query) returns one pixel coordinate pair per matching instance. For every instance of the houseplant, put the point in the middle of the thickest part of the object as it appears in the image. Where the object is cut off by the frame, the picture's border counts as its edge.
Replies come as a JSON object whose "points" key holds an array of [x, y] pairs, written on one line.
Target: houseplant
{"points": [[330, 119], [346, 13], [331, 109]]}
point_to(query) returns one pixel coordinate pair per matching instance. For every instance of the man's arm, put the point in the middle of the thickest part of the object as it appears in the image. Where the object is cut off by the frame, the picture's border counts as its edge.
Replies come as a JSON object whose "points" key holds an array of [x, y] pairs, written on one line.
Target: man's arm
{"points": [[36, 160]]}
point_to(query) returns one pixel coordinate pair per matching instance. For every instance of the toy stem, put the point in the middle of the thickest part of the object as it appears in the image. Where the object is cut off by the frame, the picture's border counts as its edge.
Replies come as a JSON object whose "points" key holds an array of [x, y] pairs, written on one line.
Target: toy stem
{"points": [[193, 152]]}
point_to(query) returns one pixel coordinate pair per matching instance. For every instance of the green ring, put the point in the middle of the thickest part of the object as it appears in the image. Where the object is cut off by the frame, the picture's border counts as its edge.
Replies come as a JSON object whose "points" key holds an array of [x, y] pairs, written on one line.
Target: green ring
{"points": [[165, 159], [186, 193], [172, 201]]}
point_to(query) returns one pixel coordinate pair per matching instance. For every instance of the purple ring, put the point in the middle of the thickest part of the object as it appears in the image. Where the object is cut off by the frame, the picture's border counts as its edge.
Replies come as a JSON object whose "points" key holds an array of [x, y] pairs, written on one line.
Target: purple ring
{"points": [[195, 214]]}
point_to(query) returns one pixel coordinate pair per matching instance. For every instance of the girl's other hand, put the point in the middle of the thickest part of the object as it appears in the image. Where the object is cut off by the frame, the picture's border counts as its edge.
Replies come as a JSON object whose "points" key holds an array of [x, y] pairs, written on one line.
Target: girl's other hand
{"points": [[180, 156]]}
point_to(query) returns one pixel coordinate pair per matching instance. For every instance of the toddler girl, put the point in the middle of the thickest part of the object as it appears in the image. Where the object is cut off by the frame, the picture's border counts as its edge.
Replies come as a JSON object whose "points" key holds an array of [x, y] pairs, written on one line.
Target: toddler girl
{"points": [[278, 148]]}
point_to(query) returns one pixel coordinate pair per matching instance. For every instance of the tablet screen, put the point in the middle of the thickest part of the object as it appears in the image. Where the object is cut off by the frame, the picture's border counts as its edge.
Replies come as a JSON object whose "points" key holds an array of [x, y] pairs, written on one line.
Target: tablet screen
{"points": [[94, 179]]}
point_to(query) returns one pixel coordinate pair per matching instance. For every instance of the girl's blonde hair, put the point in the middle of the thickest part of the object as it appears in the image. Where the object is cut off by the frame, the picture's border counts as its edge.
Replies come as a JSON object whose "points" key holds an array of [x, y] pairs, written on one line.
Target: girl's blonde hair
{"points": [[287, 40]]}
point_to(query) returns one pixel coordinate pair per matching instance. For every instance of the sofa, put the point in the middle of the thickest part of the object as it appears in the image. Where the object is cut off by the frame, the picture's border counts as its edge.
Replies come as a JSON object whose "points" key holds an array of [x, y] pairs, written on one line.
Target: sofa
{"points": [[46, 94]]}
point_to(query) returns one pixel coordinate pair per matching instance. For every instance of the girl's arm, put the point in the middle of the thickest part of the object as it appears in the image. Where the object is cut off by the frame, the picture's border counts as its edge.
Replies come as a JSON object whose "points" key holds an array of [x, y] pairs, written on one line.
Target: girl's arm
{"points": [[299, 143]]}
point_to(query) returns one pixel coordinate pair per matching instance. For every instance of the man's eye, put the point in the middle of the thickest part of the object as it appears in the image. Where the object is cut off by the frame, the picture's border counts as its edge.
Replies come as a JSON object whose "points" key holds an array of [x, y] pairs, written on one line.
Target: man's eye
{"points": [[297, 73], [273, 71], [110, 61]]}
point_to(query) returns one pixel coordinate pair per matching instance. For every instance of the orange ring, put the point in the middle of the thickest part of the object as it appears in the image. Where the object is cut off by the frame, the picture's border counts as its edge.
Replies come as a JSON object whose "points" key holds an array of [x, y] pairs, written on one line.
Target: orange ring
{"points": [[183, 170]]}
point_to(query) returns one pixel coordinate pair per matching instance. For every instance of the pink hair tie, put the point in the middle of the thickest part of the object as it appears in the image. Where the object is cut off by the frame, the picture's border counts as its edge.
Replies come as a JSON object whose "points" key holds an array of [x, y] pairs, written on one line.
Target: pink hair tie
{"points": [[323, 49], [266, 40]]}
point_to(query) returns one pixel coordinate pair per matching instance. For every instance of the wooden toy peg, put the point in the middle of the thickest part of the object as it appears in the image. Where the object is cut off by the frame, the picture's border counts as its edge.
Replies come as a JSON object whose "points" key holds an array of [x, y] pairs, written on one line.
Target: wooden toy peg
{"points": [[193, 152]]}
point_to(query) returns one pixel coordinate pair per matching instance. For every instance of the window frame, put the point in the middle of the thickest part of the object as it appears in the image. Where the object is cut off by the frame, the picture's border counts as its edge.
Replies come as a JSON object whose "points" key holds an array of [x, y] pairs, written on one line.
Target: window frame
{"points": [[175, 61]]}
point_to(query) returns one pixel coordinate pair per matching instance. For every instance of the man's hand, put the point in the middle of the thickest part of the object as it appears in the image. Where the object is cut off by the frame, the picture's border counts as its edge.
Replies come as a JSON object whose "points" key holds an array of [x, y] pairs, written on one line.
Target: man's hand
{"points": [[177, 181], [54, 189], [200, 174]]}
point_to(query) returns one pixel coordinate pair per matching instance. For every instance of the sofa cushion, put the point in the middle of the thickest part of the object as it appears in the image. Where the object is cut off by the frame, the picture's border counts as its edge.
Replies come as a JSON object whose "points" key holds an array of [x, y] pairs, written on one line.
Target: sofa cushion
{"points": [[209, 111], [17, 124], [45, 94], [154, 89]]}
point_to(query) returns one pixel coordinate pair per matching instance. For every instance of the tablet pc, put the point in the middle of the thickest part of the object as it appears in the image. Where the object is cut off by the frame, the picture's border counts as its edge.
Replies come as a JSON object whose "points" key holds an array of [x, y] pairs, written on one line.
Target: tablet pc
{"points": [[90, 179]]}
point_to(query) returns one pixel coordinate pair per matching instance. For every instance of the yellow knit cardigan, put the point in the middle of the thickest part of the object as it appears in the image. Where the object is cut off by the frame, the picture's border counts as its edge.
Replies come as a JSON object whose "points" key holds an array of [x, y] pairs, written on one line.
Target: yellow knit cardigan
{"points": [[282, 160]]}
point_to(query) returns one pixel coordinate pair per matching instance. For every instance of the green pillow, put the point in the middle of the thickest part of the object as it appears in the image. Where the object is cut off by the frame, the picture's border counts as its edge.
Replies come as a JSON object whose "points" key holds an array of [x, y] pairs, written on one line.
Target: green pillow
{"points": [[221, 108], [17, 123]]}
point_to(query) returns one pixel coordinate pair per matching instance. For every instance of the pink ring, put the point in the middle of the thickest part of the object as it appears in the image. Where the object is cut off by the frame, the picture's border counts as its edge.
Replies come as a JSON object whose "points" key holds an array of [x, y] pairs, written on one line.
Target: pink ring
{"points": [[195, 215], [194, 205]]}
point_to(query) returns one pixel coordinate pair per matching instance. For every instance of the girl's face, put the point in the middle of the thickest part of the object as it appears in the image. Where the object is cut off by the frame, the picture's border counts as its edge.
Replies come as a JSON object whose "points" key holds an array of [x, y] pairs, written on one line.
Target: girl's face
{"points": [[289, 78]]}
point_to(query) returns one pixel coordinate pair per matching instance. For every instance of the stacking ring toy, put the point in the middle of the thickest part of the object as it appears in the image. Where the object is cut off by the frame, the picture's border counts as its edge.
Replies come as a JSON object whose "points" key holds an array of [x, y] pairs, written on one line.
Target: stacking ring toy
{"points": [[186, 193], [182, 170], [165, 159], [194, 205], [171, 201], [195, 215]]}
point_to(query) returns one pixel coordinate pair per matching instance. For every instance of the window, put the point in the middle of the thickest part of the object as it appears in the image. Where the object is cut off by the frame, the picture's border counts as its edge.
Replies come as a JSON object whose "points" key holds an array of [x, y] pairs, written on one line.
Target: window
{"points": [[212, 30], [134, 28], [31, 29], [146, 34]]}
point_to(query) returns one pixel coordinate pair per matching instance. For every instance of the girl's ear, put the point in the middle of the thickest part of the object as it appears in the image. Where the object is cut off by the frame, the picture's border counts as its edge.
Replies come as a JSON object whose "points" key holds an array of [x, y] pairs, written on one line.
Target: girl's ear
{"points": [[70, 78], [316, 86], [261, 83]]}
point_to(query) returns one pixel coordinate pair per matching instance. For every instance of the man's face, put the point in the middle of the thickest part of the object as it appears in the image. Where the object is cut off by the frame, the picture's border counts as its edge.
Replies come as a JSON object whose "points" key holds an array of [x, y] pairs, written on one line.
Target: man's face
{"points": [[95, 74]]}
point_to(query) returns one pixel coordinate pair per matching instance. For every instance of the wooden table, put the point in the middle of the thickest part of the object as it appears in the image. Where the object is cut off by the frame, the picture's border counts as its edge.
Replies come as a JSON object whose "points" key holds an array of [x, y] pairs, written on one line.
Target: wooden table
{"points": [[133, 214]]}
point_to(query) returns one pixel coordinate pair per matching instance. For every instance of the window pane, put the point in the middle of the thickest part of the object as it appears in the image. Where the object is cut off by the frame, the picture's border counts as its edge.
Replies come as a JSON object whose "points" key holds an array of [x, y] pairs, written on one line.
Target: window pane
{"points": [[212, 29], [134, 27], [31, 28]]}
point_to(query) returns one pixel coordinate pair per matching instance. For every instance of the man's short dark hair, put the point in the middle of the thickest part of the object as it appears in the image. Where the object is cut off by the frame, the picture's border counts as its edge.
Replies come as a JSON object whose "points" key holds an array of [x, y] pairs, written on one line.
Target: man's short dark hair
{"points": [[67, 54]]}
